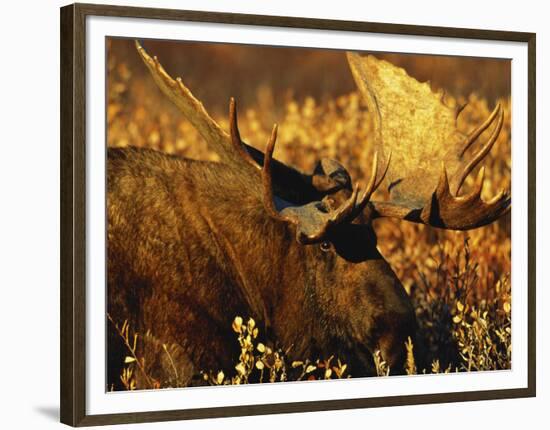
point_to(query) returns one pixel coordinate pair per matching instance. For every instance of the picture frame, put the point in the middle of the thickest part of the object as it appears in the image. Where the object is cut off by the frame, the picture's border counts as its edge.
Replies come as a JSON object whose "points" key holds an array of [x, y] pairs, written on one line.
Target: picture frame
{"points": [[76, 206]]}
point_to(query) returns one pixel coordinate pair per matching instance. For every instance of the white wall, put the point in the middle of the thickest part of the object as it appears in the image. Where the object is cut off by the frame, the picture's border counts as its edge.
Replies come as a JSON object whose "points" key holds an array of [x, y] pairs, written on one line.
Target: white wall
{"points": [[29, 214]]}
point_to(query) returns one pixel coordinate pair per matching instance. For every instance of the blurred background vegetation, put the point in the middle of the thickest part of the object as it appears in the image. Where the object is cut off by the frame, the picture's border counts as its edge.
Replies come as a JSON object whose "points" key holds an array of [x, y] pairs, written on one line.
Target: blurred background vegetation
{"points": [[216, 72], [458, 281]]}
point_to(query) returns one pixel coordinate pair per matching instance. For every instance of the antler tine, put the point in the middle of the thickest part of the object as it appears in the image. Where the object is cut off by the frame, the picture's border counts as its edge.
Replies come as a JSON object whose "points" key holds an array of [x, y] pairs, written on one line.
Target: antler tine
{"points": [[478, 187], [459, 109], [503, 197], [236, 135], [383, 174], [267, 184], [372, 184], [482, 152], [477, 132], [345, 209]]}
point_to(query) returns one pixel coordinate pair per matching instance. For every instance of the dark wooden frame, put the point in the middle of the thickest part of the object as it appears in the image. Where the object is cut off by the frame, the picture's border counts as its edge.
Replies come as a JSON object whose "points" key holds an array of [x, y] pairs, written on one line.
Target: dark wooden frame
{"points": [[73, 213]]}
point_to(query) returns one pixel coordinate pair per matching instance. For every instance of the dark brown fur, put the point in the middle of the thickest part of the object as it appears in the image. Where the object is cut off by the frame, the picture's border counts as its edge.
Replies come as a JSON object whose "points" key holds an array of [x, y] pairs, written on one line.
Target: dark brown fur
{"points": [[190, 247]]}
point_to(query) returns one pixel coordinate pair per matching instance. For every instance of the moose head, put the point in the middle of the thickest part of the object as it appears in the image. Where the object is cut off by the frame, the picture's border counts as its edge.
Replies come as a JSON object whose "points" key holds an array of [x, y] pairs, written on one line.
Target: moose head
{"points": [[328, 276]]}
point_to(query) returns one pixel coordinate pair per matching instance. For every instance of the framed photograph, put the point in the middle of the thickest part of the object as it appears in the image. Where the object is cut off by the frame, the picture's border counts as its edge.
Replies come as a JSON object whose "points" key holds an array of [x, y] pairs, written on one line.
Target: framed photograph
{"points": [[264, 214]]}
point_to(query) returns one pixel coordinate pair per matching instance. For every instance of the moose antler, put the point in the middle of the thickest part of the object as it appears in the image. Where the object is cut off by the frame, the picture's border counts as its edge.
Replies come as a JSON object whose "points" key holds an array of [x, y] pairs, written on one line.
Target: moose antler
{"points": [[287, 177], [191, 108], [429, 164], [314, 219], [288, 194]]}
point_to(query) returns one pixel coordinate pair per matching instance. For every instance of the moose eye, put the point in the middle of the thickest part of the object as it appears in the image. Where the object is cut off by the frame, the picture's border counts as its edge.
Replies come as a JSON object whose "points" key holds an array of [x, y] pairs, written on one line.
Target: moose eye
{"points": [[325, 246]]}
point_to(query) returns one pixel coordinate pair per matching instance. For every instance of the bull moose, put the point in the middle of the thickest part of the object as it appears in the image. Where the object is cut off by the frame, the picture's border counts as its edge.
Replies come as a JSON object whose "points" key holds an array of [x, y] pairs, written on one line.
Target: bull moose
{"points": [[192, 244]]}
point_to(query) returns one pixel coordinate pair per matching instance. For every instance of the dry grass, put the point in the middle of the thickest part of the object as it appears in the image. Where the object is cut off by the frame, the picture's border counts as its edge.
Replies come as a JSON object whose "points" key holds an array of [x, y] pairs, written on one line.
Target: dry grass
{"points": [[459, 282]]}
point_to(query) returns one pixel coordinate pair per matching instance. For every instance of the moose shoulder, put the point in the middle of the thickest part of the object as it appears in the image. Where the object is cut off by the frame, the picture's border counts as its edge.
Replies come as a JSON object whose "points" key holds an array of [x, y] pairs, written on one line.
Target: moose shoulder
{"points": [[192, 244]]}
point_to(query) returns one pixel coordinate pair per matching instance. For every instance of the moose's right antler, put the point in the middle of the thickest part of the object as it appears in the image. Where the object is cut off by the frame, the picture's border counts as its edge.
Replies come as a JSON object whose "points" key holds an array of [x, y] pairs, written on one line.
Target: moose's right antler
{"points": [[430, 156]]}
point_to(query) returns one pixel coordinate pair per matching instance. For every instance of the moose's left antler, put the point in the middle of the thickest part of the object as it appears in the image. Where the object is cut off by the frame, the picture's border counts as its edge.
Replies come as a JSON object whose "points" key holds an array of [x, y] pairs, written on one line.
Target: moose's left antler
{"points": [[314, 219], [429, 163], [289, 195], [217, 139]]}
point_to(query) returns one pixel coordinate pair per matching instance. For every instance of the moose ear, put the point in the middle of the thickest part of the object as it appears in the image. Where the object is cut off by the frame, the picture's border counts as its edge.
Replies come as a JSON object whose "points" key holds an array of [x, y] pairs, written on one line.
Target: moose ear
{"points": [[330, 176]]}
